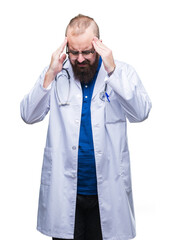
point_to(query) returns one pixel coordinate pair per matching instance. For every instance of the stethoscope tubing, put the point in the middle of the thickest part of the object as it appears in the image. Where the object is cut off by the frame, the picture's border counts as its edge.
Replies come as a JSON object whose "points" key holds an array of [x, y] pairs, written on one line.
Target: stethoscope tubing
{"points": [[103, 95], [57, 95]]}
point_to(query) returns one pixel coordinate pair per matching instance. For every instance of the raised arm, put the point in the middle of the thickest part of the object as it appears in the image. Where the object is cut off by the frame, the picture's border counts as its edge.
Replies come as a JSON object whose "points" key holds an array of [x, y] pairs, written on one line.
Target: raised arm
{"points": [[36, 104]]}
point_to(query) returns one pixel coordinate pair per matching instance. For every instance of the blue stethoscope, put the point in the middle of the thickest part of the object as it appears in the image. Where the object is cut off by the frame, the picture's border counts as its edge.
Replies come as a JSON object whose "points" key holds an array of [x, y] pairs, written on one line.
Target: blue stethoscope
{"points": [[64, 73]]}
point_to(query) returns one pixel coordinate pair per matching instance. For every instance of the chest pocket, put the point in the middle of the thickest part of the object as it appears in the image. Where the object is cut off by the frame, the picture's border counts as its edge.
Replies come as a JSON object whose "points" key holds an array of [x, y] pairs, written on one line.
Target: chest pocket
{"points": [[113, 111]]}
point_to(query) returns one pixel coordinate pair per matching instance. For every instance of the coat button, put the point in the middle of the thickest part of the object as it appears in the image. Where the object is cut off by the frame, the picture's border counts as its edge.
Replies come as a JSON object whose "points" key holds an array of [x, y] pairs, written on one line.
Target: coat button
{"points": [[73, 175], [74, 147]]}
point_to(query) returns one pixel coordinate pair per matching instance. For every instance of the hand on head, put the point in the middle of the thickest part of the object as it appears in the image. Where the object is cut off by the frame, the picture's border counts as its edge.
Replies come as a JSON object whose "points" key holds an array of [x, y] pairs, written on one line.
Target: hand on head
{"points": [[105, 53], [56, 64], [57, 59]]}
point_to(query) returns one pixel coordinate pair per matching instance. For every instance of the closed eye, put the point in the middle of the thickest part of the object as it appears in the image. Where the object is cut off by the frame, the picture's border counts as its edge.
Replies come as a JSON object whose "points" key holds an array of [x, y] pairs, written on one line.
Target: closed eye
{"points": [[74, 52], [87, 52]]}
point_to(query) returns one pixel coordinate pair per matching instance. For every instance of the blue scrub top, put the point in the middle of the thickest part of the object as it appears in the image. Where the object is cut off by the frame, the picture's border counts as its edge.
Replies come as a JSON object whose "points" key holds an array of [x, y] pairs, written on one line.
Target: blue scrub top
{"points": [[87, 182]]}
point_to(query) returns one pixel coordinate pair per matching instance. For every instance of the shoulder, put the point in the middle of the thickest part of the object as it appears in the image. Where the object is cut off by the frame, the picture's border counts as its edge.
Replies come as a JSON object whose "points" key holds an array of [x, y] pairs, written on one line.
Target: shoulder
{"points": [[122, 67]]}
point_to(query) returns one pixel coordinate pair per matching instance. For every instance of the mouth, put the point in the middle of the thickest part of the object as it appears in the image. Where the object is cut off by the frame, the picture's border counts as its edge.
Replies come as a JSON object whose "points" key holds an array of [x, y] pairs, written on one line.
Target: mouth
{"points": [[82, 64]]}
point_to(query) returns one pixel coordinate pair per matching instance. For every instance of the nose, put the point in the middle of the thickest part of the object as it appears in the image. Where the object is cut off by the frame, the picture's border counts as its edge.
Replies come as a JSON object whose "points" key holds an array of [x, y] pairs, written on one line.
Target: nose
{"points": [[80, 58]]}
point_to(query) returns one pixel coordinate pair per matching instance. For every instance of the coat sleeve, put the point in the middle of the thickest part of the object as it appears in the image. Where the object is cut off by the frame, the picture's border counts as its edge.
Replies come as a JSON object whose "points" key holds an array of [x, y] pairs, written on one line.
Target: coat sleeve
{"points": [[130, 93], [36, 104]]}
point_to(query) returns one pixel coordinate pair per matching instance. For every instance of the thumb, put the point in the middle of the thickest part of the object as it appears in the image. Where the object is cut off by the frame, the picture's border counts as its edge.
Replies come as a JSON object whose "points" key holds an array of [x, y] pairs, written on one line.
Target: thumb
{"points": [[62, 58]]}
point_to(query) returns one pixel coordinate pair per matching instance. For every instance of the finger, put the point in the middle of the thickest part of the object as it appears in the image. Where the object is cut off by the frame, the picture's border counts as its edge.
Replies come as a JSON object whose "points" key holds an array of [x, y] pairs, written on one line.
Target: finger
{"points": [[63, 57], [99, 43], [95, 41], [63, 44], [61, 48], [98, 49]]}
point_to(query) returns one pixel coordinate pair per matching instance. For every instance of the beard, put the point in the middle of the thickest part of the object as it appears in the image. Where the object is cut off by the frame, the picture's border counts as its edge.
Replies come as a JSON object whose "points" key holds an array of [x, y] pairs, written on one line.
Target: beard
{"points": [[85, 73]]}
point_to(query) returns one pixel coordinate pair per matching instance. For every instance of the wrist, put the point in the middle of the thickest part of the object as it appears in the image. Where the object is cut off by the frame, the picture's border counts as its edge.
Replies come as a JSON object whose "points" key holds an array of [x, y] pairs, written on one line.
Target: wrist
{"points": [[49, 77], [112, 71], [50, 73]]}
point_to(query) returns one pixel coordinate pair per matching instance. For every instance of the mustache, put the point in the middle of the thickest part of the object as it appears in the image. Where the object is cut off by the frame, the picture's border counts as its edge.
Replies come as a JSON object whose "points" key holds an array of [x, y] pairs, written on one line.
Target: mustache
{"points": [[80, 63]]}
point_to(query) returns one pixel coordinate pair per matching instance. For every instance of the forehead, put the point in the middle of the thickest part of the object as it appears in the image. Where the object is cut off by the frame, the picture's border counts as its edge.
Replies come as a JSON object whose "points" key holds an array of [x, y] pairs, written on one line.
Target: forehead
{"points": [[80, 41]]}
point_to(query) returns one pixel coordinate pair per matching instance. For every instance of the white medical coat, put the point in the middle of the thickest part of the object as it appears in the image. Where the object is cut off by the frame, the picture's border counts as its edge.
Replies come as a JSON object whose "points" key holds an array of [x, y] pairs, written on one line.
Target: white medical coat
{"points": [[58, 189]]}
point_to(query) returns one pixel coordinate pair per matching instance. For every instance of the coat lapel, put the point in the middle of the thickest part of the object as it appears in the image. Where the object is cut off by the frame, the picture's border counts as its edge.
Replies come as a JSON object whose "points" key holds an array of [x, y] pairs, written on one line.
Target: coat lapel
{"points": [[69, 68], [100, 83]]}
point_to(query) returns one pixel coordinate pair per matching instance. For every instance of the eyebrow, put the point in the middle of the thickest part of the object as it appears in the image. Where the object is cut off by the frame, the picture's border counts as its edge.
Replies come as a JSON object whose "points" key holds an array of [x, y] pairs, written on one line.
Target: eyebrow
{"points": [[86, 49]]}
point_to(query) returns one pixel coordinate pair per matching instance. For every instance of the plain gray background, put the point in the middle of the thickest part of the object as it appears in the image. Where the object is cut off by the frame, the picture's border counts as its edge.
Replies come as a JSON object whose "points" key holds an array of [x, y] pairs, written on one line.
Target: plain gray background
{"points": [[139, 33]]}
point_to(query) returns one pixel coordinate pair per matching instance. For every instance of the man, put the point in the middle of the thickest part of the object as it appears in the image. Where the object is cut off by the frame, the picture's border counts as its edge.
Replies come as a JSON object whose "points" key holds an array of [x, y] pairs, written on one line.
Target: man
{"points": [[86, 191]]}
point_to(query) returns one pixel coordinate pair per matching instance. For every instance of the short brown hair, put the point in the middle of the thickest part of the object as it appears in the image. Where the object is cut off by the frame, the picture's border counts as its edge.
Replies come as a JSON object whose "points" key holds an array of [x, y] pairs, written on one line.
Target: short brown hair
{"points": [[82, 22]]}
